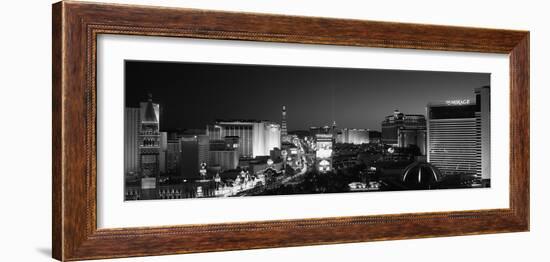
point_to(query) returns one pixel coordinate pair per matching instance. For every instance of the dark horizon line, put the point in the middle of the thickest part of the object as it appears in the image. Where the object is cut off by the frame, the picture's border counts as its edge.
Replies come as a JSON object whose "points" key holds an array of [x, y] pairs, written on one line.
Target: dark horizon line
{"points": [[175, 129], [290, 131]]}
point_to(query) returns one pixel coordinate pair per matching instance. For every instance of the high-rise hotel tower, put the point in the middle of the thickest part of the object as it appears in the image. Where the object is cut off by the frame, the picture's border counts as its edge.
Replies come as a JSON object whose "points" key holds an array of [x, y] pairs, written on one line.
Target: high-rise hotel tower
{"points": [[149, 139], [284, 132], [459, 141]]}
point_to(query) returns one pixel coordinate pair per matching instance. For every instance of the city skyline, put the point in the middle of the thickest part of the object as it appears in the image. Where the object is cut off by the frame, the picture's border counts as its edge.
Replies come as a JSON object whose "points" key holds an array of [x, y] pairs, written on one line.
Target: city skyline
{"points": [[313, 96], [195, 130]]}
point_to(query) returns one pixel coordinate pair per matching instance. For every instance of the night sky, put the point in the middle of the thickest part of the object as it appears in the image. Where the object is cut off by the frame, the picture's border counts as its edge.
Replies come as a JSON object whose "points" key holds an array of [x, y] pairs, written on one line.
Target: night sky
{"points": [[192, 95]]}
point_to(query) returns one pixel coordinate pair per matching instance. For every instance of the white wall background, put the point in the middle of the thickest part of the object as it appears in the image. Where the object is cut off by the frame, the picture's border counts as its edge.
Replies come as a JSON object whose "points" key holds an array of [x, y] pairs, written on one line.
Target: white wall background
{"points": [[25, 130]]}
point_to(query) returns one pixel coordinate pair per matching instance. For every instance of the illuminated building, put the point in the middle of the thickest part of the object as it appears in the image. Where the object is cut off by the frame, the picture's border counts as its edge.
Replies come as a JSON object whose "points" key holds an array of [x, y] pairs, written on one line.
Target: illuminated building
{"points": [[340, 137], [262, 165], [459, 136], [217, 145], [149, 139], [195, 150], [407, 137], [225, 159], [313, 131], [289, 154], [224, 153], [358, 136], [173, 154], [204, 149], [231, 142], [323, 154], [131, 140], [163, 143], [256, 138], [149, 148], [404, 130], [284, 133]]}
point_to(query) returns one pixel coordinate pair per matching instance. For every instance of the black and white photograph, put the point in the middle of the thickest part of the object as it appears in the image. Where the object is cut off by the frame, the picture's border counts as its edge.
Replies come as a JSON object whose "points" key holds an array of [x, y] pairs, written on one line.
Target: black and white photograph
{"points": [[269, 131], [206, 130]]}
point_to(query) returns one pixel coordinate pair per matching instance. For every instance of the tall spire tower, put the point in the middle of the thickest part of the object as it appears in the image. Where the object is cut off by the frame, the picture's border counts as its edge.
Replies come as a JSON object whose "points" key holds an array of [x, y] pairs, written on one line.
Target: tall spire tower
{"points": [[283, 124], [149, 148], [334, 130]]}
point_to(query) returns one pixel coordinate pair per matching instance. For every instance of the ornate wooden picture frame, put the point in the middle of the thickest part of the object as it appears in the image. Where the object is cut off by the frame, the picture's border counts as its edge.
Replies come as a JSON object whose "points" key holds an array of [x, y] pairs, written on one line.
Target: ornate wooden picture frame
{"points": [[75, 28]]}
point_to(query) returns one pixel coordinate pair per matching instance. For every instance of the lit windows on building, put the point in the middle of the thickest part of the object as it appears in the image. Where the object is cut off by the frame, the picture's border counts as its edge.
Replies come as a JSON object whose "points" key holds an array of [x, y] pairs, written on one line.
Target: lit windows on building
{"points": [[224, 153], [132, 123], [392, 124], [357, 136], [404, 130], [284, 131], [459, 136], [323, 153], [256, 138], [195, 150], [149, 139]]}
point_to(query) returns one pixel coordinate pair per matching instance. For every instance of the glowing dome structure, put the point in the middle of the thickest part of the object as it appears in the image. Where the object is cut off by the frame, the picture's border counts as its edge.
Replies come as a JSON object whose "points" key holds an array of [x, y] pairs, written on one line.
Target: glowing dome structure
{"points": [[421, 175]]}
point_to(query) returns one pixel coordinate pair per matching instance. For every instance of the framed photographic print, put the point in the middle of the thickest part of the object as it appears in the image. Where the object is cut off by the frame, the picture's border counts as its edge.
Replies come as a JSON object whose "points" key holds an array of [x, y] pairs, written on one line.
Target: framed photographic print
{"points": [[182, 130]]}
